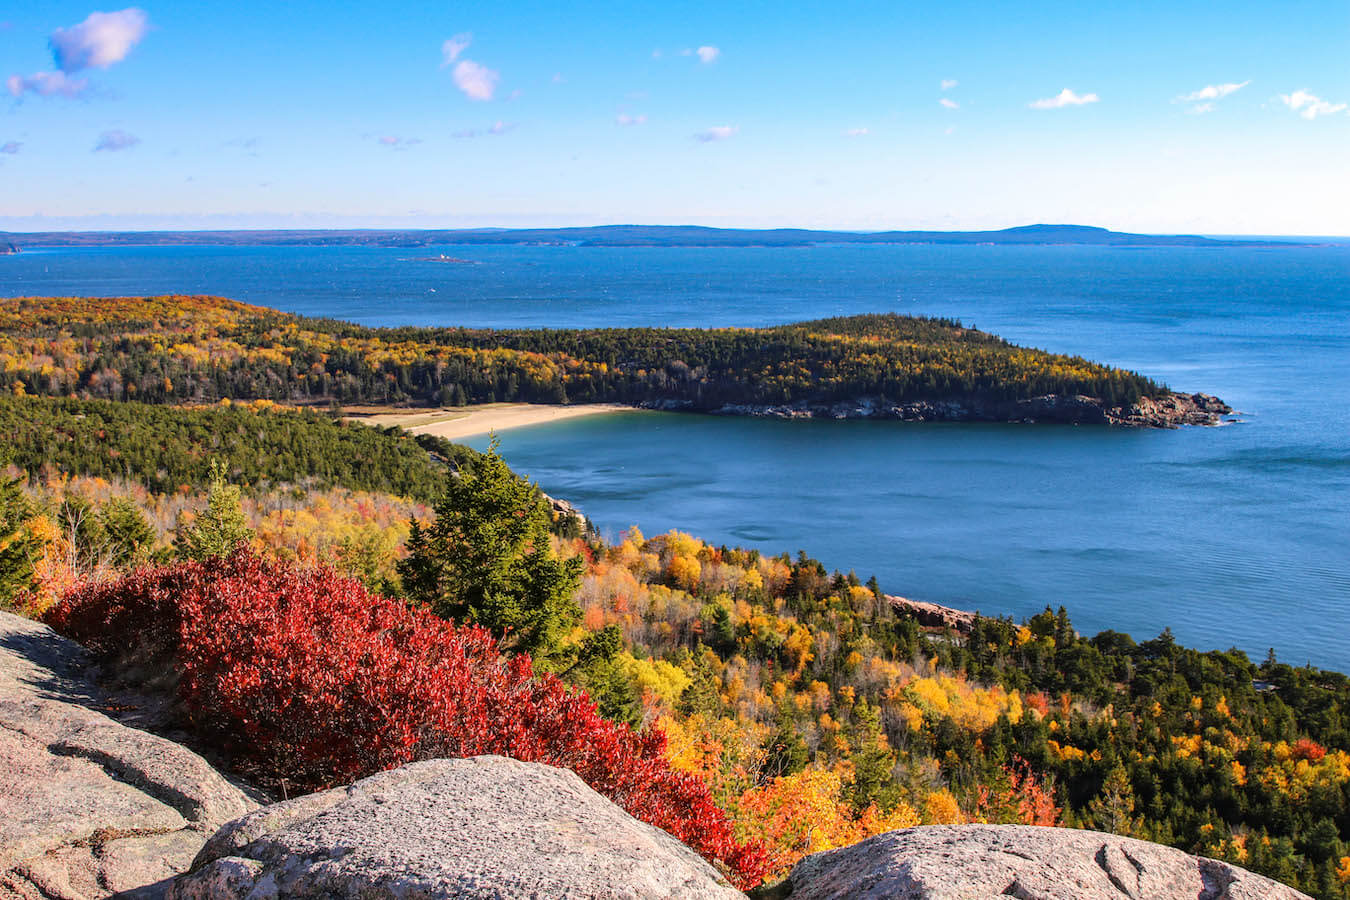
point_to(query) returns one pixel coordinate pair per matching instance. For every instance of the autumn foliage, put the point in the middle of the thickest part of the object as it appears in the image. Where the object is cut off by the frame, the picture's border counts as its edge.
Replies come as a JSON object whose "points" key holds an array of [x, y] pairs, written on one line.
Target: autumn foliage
{"points": [[308, 676]]}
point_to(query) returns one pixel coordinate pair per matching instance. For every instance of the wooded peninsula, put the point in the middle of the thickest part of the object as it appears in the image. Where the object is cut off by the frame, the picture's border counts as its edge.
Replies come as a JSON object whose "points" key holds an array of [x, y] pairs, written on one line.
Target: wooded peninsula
{"points": [[181, 349]]}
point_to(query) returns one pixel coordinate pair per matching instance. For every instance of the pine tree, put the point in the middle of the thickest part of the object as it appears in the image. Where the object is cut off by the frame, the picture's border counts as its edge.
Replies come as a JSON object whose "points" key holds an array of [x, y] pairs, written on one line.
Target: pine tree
{"points": [[221, 527], [873, 759], [1113, 809], [19, 547], [130, 537], [487, 559]]}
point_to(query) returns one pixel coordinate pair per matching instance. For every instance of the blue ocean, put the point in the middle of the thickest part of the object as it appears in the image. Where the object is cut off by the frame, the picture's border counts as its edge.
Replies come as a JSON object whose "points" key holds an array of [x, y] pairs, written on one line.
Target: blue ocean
{"points": [[1236, 536]]}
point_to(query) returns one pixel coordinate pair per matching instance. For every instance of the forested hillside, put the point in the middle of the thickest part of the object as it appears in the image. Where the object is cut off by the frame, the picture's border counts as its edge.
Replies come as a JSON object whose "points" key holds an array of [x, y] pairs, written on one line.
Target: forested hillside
{"points": [[260, 444], [203, 349], [811, 711]]}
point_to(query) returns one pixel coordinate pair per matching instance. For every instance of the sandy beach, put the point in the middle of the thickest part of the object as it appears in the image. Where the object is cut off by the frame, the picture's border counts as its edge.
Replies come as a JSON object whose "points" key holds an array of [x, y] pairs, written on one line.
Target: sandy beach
{"points": [[458, 422]]}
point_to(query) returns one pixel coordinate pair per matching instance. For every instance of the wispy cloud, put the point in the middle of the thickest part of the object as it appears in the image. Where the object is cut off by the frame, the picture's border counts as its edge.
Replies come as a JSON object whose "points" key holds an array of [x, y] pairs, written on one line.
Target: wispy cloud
{"points": [[398, 143], [949, 103], [1212, 92], [100, 40], [558, 78], [707, 54], [1064, 98], [477, 81], [11, 147], [716, 133], [1309, 105], [626, 119], [453, 47], [858, 132], [1205, 97], [115, 140], [948, 83], [46, 84], [496, 128]]}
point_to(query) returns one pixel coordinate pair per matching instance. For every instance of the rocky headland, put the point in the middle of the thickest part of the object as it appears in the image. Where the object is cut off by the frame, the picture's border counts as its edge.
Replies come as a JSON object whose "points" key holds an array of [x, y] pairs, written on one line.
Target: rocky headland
{"points": [[1170, 410]]}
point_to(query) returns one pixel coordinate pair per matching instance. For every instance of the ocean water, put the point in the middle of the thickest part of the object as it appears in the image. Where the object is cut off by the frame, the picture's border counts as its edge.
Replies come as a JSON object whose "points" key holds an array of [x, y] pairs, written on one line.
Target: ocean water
{"points": [[1233, 536]]}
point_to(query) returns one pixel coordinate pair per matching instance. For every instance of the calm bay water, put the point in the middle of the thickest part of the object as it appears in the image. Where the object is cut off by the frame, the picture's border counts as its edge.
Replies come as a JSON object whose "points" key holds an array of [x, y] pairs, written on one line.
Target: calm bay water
{"points": [[1236, 536]]}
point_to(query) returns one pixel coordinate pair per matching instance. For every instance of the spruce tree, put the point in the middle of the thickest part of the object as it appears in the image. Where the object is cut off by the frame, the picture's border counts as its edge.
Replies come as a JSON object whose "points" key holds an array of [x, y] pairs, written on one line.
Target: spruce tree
{"points": [[487, 559], [221, 528], [19, 546]]}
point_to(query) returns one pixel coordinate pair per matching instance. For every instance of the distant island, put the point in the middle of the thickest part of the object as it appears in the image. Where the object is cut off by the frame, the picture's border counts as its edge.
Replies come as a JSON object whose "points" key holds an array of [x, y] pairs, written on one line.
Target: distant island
{"points": [[879, 366], [624, 236]]}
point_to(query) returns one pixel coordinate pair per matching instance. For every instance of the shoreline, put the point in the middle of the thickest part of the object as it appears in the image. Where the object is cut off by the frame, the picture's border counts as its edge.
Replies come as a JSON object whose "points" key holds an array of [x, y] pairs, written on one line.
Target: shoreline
{"points": [[456, 422]]}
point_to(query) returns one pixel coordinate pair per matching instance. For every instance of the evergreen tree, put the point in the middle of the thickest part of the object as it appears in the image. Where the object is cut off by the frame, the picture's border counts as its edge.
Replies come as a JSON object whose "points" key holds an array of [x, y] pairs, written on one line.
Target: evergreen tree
{"points": [[872, 758], [129, 536], [487, 559], [785, 751], [19, 547], [221, 527], [1113, 809]]}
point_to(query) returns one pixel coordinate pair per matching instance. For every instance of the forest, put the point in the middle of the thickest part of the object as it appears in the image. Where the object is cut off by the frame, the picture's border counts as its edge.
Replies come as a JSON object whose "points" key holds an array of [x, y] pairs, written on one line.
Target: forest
{"points": [[204, 349], [797, 707]]}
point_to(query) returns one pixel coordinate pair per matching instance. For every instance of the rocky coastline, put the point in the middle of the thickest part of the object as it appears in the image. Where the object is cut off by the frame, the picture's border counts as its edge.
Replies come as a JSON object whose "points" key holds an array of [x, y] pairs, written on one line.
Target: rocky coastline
{"points": [[1171, 410]]}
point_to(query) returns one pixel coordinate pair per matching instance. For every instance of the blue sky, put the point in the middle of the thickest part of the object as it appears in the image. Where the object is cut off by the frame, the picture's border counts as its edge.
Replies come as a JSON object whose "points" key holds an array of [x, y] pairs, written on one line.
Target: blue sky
{"points": [[842, 114]]}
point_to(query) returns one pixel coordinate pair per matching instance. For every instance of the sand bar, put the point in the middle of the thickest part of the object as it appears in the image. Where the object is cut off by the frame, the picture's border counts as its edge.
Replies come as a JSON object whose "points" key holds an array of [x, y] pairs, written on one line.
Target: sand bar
{"points": [[455, 422]]}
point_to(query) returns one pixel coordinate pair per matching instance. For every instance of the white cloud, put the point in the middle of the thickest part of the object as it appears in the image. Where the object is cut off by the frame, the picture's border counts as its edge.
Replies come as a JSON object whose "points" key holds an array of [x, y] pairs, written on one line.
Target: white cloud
{"points": [[948, 83], [11, 147], [716, 133], [558, 78], [626, 119], [46, 84], [478, 82], [398, 143], [1065, 97], [657, 54], [949, 103], [100, 40], [1212, 92], [708, 54], [454, 46], [115, 140], [858, 132], [1205, 97], [1310, 106]]}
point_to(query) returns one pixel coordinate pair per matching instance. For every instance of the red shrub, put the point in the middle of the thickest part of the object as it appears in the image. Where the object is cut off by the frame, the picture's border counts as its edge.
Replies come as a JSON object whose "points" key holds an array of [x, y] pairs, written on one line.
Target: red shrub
{"points": [[1306, 748], [310, 677]]}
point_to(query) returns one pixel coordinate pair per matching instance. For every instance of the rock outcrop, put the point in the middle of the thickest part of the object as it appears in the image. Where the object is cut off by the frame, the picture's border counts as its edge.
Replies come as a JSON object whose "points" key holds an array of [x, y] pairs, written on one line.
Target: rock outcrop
{"points": [[482, 827], [961, 862], [89, 806], [932, 615], [1170, 410]]}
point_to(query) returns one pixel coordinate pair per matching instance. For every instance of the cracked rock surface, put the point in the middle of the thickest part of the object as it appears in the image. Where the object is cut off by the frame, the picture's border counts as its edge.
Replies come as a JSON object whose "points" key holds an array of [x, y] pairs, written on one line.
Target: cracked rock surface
{"points": [[961, 862], [484, 827], [90, 807]]}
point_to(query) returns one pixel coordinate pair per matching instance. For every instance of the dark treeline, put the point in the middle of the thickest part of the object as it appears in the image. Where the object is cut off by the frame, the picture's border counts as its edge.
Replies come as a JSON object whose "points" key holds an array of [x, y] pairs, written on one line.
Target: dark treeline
{"points": [[164, 447], [174, 349]]}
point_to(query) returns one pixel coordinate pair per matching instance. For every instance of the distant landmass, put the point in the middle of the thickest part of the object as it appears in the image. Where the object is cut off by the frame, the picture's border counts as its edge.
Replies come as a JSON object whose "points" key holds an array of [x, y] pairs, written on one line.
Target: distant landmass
{"points": [[624, 236]]}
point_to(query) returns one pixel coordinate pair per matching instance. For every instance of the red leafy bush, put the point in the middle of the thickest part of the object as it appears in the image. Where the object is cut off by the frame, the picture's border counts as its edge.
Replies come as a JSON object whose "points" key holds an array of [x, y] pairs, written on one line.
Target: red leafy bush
{"points": [[309, 677], [1306, 748]]}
